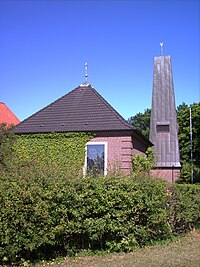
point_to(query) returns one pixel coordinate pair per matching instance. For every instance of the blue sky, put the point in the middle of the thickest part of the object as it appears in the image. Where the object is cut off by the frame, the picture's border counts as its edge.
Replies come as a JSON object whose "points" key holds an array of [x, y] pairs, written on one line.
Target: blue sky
{"points": [[44, 46]]}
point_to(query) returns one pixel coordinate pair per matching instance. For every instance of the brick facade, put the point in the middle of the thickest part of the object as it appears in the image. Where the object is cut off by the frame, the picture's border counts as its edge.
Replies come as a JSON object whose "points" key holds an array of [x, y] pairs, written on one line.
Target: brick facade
{"points": [[169, 174], [121, 148]]}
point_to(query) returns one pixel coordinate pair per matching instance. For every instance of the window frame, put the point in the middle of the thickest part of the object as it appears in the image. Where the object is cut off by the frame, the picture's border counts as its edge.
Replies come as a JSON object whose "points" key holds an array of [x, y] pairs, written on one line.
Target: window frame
{"points": [[105, 156]]}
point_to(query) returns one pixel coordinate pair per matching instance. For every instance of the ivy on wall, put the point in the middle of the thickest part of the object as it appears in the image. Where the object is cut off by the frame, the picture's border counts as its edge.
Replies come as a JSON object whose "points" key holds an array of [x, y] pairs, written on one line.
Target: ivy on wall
{"points": [[62, 152]]}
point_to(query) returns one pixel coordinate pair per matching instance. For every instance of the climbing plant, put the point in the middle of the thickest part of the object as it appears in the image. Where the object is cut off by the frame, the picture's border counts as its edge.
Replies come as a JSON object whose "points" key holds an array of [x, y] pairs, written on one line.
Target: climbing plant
{"points": [[143, 164], [53, 152]]}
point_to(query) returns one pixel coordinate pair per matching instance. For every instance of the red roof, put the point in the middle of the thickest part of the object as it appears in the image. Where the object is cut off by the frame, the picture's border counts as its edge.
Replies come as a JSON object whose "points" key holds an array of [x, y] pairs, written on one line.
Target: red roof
{"points": [[7, 116]]}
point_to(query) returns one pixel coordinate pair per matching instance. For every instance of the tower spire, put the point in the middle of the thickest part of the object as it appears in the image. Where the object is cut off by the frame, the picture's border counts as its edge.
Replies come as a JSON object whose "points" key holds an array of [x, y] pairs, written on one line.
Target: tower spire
{"points": [[163, 125]]}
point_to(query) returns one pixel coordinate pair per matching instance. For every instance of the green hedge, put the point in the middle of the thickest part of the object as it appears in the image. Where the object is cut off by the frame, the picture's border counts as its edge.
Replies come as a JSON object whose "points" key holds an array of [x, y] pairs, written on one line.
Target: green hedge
{"points": [[43, 216]]}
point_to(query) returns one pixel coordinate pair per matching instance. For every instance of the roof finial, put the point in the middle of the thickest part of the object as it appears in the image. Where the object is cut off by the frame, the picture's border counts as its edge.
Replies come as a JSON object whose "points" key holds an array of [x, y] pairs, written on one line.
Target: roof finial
{"points": [[161, 48], [86, 72]]}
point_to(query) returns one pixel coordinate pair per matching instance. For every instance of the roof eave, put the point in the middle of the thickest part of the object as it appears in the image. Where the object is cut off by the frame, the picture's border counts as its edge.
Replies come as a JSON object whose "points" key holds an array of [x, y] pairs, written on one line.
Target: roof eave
{"points": [[146, 140]]}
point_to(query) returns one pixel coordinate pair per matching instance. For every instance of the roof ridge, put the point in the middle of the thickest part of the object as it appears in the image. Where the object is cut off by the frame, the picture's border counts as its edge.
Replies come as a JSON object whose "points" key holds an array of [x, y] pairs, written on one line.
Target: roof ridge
{"points": [[112, 109]]}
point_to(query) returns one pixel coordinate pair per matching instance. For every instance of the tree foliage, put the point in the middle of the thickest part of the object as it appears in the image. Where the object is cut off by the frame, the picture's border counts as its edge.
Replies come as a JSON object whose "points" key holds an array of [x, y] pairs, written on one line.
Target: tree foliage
{"points": [[141, 121], [183, 119]]}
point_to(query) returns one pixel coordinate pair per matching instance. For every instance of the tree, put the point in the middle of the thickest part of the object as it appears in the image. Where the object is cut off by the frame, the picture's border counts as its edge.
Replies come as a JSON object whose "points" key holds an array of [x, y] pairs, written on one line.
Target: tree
{"points": [[183, 119], [141, 121]]}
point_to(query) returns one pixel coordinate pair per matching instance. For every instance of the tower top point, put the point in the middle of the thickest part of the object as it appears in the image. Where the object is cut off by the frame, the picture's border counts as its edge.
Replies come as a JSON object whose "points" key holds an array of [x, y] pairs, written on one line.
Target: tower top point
{"points": [[161, 48]]}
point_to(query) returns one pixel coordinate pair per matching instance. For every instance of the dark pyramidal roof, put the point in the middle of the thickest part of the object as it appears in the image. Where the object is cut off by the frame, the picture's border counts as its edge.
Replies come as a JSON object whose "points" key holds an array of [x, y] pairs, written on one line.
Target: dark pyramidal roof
{"points": [[83, 109]]}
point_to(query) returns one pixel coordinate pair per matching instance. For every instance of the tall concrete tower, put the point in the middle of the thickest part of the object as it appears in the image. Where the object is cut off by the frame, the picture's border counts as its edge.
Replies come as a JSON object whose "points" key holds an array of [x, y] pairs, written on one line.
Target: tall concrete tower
{"points": [[163, 125]]}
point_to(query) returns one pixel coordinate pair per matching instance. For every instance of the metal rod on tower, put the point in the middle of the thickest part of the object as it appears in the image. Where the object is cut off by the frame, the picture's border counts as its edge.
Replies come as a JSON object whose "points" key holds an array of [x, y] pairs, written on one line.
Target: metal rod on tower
{"points": [[161, 48], [191, 152], [86, 72]]}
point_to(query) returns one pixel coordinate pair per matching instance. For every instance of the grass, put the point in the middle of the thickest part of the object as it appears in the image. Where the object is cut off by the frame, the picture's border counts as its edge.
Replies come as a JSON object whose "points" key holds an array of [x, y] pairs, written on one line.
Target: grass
{"points": [[182, 253]]}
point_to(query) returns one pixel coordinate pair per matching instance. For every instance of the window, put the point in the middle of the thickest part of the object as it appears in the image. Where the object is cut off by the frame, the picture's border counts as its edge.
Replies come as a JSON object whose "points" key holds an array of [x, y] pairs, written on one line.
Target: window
{"points": [[162, 128], [96, 158]]}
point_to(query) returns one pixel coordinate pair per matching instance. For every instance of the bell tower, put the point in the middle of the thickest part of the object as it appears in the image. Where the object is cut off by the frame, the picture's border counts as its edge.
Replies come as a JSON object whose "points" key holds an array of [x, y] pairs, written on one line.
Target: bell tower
{"points": [[163, 124]]}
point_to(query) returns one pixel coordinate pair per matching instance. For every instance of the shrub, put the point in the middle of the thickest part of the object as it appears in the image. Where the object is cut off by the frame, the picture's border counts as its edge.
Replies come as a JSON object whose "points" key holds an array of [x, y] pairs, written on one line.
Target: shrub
{"points": [[41, 216], [184, 202], [49, 209], [185, 177], [119, 213], [7, 138], [142, 164]]}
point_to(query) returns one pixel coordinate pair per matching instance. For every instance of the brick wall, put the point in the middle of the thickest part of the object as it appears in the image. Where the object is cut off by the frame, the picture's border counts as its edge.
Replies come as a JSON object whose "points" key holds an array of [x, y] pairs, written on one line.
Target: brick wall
{"points": [[121, 147], [119, 152], [169, 174]]}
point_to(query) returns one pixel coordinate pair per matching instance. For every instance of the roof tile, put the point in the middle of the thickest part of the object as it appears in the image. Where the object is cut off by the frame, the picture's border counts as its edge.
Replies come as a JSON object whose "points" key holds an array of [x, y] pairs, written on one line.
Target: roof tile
{"points": [[7, 116], [82, 109]]}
